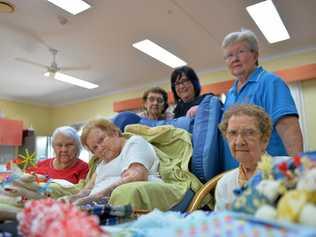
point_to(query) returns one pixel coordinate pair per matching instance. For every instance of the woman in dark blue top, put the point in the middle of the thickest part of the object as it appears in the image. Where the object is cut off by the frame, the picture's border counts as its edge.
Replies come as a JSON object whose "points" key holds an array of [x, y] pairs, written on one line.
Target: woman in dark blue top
{"points": [[186, 89]]}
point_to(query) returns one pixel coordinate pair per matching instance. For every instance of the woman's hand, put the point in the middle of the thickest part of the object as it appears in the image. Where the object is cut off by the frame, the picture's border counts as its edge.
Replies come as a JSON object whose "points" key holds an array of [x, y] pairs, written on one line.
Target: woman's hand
{"points": [[85, 200], [135, 172], [192, 111], [70, 198], [73, 198]]}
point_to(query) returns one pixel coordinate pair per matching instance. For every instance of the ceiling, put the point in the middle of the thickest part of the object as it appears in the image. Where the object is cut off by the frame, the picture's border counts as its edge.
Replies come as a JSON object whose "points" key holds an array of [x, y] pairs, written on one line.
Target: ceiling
{"points": [[102, 37]]}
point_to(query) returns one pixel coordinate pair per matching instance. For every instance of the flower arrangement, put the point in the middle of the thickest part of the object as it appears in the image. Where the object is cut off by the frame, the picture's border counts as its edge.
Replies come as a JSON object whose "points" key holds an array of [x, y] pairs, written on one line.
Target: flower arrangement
{"points": [[51, 218], [24, 161], [284, 191]]}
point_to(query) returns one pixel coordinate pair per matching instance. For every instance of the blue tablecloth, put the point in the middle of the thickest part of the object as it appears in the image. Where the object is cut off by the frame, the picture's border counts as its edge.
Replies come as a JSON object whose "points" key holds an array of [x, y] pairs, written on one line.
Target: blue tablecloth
{"points": [[163, 224]]}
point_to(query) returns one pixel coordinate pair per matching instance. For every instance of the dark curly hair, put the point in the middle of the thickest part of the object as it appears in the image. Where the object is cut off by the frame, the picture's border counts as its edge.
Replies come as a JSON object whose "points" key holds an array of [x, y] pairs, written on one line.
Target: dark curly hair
{"points": [[157, 90]]}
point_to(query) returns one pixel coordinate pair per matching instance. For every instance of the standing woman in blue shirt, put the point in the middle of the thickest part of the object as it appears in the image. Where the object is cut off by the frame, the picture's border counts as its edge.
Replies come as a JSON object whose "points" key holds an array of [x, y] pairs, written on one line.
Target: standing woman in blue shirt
{"points": [[255, 85]]}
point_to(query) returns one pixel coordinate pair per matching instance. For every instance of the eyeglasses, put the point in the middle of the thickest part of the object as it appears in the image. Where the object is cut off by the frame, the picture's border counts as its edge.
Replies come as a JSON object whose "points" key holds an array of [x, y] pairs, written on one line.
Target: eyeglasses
{"points": [[61, 145], [247, 134], [99, 144], [158, 99], [229, 57], [183, 81]]}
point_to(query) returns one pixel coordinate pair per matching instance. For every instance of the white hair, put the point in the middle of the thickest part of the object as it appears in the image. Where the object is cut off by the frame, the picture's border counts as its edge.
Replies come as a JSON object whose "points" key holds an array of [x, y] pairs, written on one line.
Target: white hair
{"points": [[244, 35], [68, 132]]}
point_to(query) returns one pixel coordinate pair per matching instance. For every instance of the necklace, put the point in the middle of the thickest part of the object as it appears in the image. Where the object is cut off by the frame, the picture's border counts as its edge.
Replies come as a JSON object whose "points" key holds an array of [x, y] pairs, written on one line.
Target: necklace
{"points": [[243, 175]]}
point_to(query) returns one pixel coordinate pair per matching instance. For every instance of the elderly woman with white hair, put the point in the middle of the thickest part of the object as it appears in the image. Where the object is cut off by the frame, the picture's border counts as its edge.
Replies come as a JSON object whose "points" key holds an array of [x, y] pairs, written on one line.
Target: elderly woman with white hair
{"points": [[247, 129], [255, 85], [66, 163]]}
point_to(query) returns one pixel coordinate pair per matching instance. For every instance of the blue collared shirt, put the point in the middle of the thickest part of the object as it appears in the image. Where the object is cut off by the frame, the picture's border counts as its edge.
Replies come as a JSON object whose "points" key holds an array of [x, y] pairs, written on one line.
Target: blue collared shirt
{"points": [[269, 91]]}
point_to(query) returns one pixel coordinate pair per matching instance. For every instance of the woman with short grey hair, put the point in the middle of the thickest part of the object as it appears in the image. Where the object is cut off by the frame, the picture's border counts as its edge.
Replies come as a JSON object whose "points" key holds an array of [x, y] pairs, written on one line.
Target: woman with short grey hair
{"points": [[245, 35], [66, 163], [68, 132], [255, 85]]}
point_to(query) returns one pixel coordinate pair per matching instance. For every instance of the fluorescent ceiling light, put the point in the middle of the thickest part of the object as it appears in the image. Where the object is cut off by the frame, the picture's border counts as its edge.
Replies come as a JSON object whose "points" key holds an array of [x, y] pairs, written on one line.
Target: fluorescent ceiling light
{"points": [[72, 6], [72, 80], [159, 53], [268, 20]]}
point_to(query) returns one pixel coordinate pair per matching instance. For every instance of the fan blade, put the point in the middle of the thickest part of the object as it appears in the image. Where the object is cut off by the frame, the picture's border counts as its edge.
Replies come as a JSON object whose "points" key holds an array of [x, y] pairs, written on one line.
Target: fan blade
{"points": [[28, 33], [23, 60], [86, 67]]}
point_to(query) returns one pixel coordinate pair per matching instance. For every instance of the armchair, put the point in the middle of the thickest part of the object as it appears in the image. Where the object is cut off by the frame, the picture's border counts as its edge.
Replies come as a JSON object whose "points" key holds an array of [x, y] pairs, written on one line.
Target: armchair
{"points": [[206, 161]]}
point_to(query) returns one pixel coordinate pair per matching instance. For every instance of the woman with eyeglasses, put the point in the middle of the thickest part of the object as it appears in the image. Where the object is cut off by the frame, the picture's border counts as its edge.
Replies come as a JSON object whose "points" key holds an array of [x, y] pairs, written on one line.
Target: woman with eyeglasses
{"points": [[247, 129], [255, 85], [122, 160], [49, 177], [186, 89], [66, 163], [155, 102]]}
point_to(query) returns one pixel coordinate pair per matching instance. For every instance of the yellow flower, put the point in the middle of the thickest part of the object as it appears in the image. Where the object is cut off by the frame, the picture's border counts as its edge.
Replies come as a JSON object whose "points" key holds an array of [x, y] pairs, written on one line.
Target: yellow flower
{"points": [[265, 165], [27, 160]]}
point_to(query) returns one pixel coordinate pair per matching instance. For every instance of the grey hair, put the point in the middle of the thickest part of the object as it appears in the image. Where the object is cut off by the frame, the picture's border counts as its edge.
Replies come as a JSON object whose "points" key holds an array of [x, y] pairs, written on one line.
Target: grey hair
{"points": [[251, 110], [68, 132], [244, 35]]}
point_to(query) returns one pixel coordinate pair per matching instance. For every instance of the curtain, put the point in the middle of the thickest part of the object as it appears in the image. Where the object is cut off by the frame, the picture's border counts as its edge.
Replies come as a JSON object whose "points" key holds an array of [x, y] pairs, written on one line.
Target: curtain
{"points": [[296, 91]]}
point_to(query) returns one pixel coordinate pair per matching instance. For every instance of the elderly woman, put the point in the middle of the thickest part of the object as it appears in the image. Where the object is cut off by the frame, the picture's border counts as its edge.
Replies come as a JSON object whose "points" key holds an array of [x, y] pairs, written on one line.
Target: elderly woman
{"points": [[254, 85], [186, 89], [123, 160], [247, 129], [155, 102], [66, 164]]}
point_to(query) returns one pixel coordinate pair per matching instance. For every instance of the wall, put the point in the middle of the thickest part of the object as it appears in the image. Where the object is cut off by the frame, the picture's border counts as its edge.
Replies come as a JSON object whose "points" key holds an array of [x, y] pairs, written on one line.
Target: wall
{"points": [[45, 119], [309, 93], [36, 117], [83, 111], [103, 106], [273, 64]]}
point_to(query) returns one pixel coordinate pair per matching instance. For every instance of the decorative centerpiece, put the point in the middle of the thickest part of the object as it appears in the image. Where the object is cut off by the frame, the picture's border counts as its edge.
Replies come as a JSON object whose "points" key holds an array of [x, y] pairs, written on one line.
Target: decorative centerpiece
{"points": [[51, 218], [24, 161], [284, 191]]}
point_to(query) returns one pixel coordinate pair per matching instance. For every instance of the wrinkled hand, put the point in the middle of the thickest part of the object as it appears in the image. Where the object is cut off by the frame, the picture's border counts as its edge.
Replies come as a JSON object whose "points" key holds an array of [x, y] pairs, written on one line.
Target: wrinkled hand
{"points": [[85, 200], [192, 111], [68, 199], [15, 191]]}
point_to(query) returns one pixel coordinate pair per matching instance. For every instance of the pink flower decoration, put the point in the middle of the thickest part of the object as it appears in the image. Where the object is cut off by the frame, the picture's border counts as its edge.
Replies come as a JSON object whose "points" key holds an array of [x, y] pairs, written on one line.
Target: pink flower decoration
{"points": [[297, 160], [51, 218], [283, 167]]}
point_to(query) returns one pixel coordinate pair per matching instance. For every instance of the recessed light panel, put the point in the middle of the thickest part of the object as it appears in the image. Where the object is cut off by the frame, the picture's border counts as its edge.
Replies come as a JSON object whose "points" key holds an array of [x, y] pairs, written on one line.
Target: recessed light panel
{"points": [[154, 50], [72, 6], [269, 21], [71, 80]]}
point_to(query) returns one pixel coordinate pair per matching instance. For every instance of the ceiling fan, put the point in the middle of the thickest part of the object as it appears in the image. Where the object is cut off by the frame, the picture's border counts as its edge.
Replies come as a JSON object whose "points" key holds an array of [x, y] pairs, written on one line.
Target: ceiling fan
{"points": [[54, 71]]}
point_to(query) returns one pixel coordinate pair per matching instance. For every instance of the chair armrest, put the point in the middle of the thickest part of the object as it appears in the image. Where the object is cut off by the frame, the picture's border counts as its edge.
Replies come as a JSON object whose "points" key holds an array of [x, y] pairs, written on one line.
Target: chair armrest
{"points": [[200, 195]]}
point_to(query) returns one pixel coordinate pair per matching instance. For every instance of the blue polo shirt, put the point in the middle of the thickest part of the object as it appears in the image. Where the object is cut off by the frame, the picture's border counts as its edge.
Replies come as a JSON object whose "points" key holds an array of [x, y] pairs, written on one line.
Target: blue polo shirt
{"points": [[269, 91]]}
